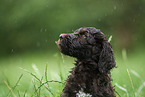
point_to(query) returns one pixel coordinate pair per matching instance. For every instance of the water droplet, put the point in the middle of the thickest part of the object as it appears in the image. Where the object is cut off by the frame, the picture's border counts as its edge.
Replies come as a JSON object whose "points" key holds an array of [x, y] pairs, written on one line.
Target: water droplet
{"points": [[38, 44], [99, 19], [45, 30], [46, 40], [41, 29], [114, 7], [12, 50], [134, 20], [105, 14]]}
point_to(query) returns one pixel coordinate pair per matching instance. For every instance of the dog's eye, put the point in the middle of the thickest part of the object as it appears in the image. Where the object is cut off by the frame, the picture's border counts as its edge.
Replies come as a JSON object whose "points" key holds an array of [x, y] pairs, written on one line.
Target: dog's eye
{"points": [[84, 36], [83, 32]]}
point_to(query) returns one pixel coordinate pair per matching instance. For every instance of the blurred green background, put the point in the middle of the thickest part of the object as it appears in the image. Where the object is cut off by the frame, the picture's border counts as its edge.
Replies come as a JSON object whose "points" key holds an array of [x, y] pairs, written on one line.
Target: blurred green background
{"points": [[29, 29]]}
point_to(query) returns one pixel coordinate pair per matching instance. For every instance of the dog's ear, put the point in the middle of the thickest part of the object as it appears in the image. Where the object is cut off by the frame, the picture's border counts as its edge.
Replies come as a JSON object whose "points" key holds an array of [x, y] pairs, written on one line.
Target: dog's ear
{"points": [[106, 58]]}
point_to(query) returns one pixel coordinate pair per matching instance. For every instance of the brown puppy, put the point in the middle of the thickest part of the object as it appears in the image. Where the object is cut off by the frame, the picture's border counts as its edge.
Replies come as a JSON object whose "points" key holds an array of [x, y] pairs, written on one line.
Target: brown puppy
{"points": [[95, 59]]}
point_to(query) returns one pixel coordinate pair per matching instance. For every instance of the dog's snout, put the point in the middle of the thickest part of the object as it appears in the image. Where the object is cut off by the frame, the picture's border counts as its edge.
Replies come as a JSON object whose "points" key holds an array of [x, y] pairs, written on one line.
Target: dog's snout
{"points": [[62, 36]]}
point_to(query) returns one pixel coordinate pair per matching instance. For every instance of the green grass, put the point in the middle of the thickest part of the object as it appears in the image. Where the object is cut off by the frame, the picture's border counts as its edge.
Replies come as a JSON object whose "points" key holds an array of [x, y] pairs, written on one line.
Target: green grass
{"points": [[26, 73], [43, 74]]}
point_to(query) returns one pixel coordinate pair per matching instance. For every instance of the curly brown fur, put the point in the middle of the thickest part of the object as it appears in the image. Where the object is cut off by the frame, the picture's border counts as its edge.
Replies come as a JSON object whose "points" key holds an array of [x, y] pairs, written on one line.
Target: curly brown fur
{"points": [[95, 59]]}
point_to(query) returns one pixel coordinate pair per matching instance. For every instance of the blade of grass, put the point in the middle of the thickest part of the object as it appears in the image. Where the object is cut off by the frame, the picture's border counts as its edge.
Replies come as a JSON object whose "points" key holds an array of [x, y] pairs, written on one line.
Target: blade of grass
{"points": [[62, 58], [49, 91], [110, 38], [25, 93], [47, 82], [46, 75], [9, 89], [6, 78], [123, 89], [140, 88], [19, 94], [13, 88], [36, 69], [59, 66], [40, 84], [124, 55], [25, 70], [135, 73], [17, 82], [131, 81], [35, 77], [35, 89], [51, 82], [142, 85], [37, 93]]}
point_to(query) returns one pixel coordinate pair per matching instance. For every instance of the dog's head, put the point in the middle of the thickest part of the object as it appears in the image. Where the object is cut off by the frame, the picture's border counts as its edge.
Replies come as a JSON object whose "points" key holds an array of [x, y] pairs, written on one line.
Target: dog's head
{"points": [[79, 44], [88, 43]]}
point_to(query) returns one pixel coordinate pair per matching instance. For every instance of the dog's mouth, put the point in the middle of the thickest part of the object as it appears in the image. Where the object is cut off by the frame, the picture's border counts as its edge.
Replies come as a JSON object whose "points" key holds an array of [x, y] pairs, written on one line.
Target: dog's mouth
{"points": [[59, 42]]}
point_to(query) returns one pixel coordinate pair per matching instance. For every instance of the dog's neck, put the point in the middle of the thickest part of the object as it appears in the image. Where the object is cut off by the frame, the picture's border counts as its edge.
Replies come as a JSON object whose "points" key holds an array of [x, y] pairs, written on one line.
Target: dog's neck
{"points": [[87, 61], [91, 64]]}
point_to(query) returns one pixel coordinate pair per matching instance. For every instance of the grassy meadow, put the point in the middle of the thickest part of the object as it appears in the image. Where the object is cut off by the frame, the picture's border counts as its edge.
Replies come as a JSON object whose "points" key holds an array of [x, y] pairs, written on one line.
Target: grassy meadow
{"points": [[31, 66], [42, 74]]}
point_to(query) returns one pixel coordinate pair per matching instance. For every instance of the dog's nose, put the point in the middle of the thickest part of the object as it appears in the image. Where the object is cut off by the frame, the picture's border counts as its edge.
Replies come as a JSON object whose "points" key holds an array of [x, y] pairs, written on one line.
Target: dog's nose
{"points": [[62, 36]]}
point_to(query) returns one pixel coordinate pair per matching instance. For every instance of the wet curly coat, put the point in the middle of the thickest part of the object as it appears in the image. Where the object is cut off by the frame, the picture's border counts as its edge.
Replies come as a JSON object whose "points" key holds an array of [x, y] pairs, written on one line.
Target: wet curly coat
{"points": [[95, 59]]}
